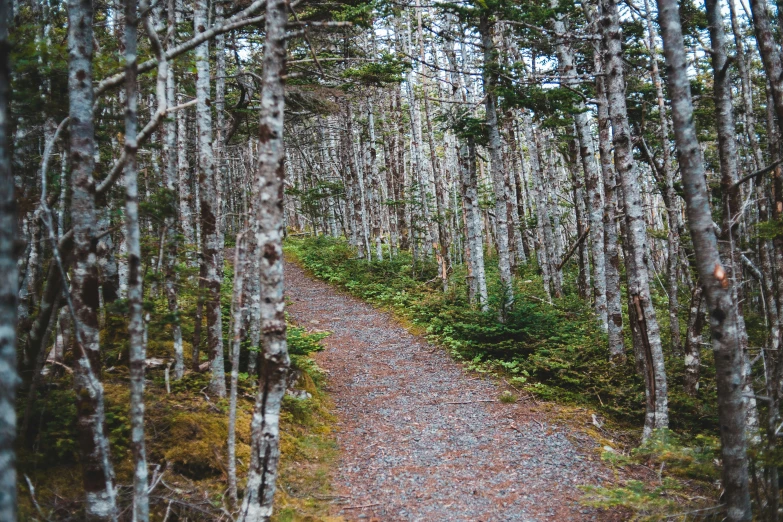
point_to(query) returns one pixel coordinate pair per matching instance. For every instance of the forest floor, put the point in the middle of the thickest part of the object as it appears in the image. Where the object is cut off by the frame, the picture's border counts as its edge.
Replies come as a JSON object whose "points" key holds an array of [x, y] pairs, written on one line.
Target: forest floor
{"points": [[422, 439]]}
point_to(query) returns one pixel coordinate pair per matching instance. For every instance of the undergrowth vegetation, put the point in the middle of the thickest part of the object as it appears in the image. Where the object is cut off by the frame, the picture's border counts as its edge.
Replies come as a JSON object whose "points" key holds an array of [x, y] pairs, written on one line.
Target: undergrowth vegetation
{"points": [[557, 352], [187, 432]]}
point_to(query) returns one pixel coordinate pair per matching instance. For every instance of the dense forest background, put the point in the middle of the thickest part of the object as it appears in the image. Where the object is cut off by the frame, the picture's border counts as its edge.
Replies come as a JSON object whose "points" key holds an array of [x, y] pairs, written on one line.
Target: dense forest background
{"points": [[582, 198]]}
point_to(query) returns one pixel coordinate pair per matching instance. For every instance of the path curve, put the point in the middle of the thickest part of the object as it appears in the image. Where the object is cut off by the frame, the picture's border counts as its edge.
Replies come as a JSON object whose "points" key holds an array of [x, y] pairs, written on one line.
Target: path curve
{"points": [[416, 442]]}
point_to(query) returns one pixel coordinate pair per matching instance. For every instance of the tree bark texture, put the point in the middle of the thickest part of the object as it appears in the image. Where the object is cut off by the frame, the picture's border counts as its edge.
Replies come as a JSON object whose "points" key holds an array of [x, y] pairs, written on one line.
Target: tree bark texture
{"points": [[496, 165], [211, 237], [638, 277], [97, 471], [268, 213], [9, 283], [717, 286]]}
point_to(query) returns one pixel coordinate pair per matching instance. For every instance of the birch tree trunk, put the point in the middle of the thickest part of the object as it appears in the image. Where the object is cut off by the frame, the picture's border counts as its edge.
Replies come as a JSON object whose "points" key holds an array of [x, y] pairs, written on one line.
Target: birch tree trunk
{"points": [[444, 260], [211, 236], [399, 180], [268, 213], [136, 346], [496, 165], [578, 193], [170, 157], [467, 159], [240, 268], [732, 208], [614, 311], [672, 211], [587, 153], [9, 284], [97, 471], [375, 189], [717, 286], [518, 210], [357, 201], [638, 277], [546, 252], [425, 229], [184, 179], [252, 299]]}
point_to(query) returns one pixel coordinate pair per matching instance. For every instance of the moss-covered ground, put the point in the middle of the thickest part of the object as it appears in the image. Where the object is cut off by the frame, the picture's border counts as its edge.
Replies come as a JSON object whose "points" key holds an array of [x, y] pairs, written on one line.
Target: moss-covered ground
{"points": [[187, 433]]}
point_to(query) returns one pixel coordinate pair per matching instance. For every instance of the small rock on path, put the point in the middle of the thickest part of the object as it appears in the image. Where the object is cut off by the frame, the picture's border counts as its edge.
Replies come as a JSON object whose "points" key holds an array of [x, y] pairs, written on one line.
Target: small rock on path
{"points": [[410, 450]]}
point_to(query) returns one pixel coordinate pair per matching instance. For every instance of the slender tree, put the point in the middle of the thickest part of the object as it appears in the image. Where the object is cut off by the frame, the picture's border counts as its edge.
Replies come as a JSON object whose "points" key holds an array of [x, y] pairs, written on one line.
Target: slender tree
{"points": [[717, 286], [267, 212], [642, 313], [592, 172], [211, 236], [97, 470], [496, 160], [137, 348], [9, 284]]}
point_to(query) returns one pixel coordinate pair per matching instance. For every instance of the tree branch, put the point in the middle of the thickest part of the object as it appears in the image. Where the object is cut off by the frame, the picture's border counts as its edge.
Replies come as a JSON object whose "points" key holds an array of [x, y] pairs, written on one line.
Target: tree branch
{"points": [[759, 172], [237, 21], [573, 248]]}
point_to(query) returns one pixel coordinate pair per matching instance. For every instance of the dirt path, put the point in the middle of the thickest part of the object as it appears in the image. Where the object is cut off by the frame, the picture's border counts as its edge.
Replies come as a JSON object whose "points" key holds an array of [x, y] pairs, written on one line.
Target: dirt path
{"points": [[416, 440]]}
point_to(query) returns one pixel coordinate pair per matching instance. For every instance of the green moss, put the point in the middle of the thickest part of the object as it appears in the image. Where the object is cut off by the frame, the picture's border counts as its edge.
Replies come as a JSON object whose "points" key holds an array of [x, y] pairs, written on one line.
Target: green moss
{"points": [[186, 431], [307, 444], [196, 444], [645, 502]]}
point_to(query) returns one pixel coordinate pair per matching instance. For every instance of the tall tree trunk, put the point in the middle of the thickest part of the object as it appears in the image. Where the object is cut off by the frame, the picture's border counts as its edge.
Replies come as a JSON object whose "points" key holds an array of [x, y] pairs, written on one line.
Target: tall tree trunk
{"points": [[252, 300], [389, 156], [731, 202], [184, 180], [644, 318], [440, 218], [546, 250], [518, 214], [136, 346], [97, 471], [356, 205], [614, 312], [375, 188], [717, 286], [474, 239], [240, 269], [747, 89], [268, 212], [401, 195], [578, 193], [567, 69], [9, 284], [672, 210], [211, 235], [425, 229], [170, 161], [496, 164]]}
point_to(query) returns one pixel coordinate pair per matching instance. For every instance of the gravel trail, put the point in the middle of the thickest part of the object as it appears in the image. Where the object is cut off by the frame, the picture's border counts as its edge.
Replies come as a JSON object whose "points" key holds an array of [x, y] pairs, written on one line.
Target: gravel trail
{"points": [[418, 439]]}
